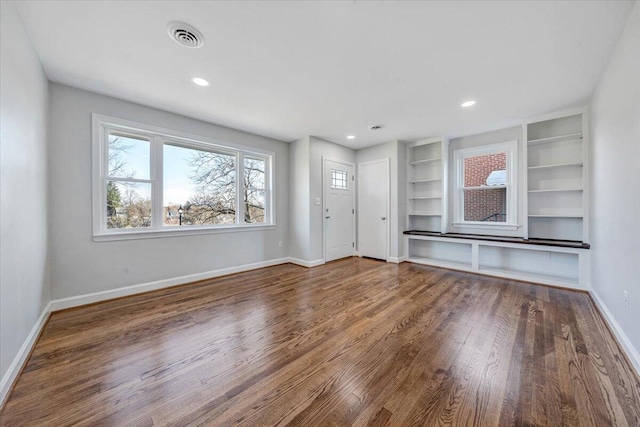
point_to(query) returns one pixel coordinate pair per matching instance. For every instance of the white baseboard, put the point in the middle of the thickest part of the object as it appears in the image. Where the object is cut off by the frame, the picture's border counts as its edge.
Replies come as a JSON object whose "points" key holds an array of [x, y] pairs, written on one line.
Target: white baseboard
{"points": [[622, 338], [63, 303], [305, 263], [16, 366], [397, 260]]}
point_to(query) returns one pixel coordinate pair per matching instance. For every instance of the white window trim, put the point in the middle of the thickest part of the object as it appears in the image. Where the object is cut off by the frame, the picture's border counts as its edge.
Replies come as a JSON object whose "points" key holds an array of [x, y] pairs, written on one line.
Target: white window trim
{"points": [[511, 148], [101, 124]]}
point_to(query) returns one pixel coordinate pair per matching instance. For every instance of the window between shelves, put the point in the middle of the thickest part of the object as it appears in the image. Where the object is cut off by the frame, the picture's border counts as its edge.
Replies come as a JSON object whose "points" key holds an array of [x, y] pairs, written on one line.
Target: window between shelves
{"points": [[485, 186]]}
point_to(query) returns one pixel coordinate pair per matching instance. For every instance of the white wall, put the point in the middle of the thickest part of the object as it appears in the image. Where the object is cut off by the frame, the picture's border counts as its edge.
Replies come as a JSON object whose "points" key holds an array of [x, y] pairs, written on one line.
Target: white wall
{"points": [[306, 227], [79, 265], [615, 182], [501, 135], [299, 207], [24, 265], [395, 152]]}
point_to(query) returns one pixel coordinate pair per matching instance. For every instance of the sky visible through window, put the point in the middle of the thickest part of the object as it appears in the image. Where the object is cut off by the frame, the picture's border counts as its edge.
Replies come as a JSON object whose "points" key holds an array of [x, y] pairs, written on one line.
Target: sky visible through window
{"points": [[136, 161], [178, 187]]}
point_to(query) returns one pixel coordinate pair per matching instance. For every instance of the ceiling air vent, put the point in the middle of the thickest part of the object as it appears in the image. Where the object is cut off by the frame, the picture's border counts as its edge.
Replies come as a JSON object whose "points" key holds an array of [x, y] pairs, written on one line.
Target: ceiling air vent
{"points": [[185, 34]]}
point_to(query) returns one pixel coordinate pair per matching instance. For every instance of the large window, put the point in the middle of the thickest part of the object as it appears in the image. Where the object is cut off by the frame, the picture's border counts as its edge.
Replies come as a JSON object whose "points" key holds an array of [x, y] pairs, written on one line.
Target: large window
{"points": [[150, 181], [485, 186]]}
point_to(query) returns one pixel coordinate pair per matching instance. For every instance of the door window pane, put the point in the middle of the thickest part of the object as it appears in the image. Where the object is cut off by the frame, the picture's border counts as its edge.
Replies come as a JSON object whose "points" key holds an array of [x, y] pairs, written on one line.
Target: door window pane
{"points": [[339, 179]]}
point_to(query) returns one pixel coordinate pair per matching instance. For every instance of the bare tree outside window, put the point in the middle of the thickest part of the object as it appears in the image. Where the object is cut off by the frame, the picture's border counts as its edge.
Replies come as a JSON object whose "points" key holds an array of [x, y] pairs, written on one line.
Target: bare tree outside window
{"points": [[214, 198], [128, 202], [254, 190]]}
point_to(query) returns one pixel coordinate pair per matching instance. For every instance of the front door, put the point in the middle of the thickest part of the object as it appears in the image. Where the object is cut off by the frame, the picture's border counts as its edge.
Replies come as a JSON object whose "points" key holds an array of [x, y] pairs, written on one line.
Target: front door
{"points": [[338, 210]]}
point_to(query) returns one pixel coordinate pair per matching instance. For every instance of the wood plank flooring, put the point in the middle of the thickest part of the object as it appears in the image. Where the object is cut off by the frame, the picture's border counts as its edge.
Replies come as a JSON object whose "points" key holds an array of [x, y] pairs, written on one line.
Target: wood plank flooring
{"points": [[355, 342]]}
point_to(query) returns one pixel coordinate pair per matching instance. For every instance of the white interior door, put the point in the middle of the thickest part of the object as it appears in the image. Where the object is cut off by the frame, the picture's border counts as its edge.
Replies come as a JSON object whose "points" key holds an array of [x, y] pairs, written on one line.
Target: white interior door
{"points": [[339, 226], [373, 209]]}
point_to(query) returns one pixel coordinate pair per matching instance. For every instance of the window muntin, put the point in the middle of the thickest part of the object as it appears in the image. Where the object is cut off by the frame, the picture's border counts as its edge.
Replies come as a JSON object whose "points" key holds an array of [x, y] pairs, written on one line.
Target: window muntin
{"points": [[339, 179], [148, 180], [485, 188]]}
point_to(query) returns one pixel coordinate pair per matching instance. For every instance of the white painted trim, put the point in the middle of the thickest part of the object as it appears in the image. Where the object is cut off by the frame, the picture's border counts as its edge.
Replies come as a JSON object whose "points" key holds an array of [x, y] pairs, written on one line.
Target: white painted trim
{"points": [[18, 362], [304, 263], [397, 260], [190, 231], [75, 301], [513, 172], [621, 337]]}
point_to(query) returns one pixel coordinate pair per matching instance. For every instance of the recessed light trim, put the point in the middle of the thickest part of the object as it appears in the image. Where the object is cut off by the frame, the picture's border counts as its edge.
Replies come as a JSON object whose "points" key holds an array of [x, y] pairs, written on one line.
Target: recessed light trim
{"points": [[200, 81], [351, 137], [467, 104]]}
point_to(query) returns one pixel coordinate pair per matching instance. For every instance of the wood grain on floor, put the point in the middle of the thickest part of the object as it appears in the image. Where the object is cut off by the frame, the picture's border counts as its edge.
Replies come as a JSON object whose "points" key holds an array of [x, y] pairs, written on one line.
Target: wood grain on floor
{"points": [[355, 342]]}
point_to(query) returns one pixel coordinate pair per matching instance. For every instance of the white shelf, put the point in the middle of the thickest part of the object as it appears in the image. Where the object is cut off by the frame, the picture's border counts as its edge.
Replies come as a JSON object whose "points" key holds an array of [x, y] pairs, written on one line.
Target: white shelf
{"points": [[425, 198], [530, 276], [556, 216], [418, 181], [454, 265], [420, 162], [568, 137], [557, 190], [560, 165], [486, 187], [425, 213]]}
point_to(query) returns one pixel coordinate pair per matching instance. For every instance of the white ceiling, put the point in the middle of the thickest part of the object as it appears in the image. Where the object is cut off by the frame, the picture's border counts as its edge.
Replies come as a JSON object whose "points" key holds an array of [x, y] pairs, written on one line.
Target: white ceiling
{"points": [[330, 69]]}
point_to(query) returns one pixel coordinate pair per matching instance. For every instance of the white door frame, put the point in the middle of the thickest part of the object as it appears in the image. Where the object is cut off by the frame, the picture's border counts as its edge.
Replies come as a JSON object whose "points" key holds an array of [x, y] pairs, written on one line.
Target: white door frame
{"points": [[324, 201], [387, 161]]}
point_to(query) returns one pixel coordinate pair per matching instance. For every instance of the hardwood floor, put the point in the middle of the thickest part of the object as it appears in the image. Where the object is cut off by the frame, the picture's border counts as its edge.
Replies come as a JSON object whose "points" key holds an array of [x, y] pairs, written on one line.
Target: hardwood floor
{"points": [[354, 342]]}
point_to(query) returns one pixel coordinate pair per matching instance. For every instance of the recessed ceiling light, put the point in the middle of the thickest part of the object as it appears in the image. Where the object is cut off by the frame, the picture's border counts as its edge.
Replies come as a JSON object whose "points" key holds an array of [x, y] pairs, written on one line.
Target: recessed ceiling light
{"points": [[468, 104], [351, 137], [200, 81]]}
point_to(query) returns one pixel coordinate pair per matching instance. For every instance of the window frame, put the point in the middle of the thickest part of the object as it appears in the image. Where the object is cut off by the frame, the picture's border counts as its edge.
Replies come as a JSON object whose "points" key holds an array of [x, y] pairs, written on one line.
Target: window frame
{"points": [[459, 156], [158, 137]]}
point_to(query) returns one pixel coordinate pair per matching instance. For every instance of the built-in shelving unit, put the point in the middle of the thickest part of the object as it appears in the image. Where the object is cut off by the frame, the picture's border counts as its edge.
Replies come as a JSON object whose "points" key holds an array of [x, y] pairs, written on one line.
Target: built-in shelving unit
{"points": [[550, 246], [556, 156], [553, 264], [426, 184]]}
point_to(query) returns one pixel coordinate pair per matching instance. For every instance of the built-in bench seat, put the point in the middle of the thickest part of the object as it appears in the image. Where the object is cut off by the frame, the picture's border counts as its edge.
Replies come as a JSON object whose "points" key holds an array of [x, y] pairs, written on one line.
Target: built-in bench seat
{"points": [[563, 263]]}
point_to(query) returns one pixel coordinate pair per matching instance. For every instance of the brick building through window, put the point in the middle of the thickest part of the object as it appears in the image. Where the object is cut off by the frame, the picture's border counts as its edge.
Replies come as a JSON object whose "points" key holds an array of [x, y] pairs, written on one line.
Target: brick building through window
{"points": [[485, 204]]}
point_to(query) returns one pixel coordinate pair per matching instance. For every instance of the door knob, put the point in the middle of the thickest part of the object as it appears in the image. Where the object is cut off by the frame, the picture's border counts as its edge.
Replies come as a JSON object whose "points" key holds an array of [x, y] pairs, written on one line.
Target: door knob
{"points": [[383, 218]]}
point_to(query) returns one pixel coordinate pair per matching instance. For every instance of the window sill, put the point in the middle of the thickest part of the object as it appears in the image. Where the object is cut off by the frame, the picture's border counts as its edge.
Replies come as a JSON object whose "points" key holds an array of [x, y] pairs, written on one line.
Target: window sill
{"points": [[486, 226], [172, 232]]}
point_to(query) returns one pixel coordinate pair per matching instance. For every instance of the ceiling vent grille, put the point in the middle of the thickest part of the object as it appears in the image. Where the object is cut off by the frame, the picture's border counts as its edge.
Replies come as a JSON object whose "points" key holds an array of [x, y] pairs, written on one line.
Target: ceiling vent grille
{"points": [[185, 34]]}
